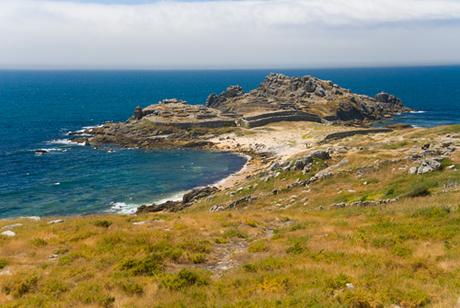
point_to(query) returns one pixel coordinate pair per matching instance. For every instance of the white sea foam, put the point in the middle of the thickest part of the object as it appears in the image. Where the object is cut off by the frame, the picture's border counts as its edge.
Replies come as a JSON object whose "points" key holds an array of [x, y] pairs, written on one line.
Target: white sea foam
{"points": [[66, 142], [91, 127], [131, 208], [417, 111], [51, 150], [40, 152], [123, 208]]}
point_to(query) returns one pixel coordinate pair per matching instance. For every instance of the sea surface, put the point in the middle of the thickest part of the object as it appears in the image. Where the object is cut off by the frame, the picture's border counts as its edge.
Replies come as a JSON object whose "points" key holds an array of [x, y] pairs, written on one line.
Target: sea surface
{"points": [[38, 109]]}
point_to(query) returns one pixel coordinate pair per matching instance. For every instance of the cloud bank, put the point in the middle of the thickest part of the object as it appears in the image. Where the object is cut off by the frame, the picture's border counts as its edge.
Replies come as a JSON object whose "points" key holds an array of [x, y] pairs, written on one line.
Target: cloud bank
{"points": [[232, 34]]}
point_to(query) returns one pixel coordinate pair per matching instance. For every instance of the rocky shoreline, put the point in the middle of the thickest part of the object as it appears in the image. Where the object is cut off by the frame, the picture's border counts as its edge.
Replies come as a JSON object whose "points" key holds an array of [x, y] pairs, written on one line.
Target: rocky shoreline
{"points": [[266, 123]]}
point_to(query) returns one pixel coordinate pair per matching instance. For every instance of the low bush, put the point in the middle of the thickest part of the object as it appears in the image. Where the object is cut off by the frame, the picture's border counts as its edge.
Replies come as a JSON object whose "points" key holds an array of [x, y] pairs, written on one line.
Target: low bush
{"points": [[131, 287], [38, 242], [103, 223], [258, 246], [185, 278], [148, 266], [21, 286], [421, 190], [432, 212], [3, 264]]}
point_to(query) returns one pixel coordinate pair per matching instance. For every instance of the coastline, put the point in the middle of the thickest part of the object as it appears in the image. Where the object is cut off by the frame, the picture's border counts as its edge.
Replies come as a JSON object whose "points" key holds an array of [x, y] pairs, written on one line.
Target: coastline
{"points": [[225, 183]]}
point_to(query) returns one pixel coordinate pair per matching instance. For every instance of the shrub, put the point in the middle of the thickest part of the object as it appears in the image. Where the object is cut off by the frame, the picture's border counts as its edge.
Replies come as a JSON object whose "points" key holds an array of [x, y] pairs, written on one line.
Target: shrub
{"points": [[185, 278], [92, 293], [21, 286], [131, 287], [221, 240], [165, 250], [421, 190], [54, 288], [103, 223], [268, 264], [3, 264], [390, 193], [198, 258], [432, 212], [149, 266], [338, 282], [38, 242], [251, 268], [401, 251], [258, 246], [235, 233], [197, 246], [297, 247]]}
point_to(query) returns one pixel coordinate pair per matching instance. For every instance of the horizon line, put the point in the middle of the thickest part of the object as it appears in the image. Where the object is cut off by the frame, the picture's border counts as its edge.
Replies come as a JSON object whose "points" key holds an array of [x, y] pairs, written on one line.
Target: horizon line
{"points": [[224, 68]]}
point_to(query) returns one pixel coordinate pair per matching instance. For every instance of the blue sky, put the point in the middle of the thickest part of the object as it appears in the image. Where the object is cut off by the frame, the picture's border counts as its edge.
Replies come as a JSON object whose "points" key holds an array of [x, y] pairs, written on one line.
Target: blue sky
{"points": [[227, 34]]}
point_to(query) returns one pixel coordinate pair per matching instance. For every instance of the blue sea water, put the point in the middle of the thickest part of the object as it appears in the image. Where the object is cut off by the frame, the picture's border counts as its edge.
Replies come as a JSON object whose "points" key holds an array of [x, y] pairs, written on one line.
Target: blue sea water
{"points": [[38, 108]]}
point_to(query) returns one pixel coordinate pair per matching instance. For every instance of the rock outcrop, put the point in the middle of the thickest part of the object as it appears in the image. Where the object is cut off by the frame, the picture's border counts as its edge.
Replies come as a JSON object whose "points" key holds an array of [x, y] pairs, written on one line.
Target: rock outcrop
{"points": [[279, 98], [187, 200], [307, 94]]}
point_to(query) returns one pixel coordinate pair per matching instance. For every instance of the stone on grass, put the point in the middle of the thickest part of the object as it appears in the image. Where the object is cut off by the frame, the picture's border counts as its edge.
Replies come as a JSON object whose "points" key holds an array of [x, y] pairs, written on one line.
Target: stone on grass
{"points": [[56, 221], [8, 233], [11, 226]]}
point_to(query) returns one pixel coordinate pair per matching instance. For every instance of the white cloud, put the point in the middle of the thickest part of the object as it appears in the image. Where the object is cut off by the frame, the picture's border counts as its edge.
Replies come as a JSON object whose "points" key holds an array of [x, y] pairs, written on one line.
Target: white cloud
{"points": [[249, 33]]}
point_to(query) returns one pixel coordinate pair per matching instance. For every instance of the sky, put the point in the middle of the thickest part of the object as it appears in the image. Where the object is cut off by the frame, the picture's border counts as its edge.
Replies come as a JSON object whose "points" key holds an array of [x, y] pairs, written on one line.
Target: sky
{"points": [[172, 34]]}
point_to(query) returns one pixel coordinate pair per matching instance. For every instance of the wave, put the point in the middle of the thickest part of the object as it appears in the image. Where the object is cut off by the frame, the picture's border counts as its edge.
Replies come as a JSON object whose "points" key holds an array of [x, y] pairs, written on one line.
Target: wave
{"points": [[91, 127], [48, 150], [67, 142], [131, 208], [417, 111], [123, 208], [83, 131]]}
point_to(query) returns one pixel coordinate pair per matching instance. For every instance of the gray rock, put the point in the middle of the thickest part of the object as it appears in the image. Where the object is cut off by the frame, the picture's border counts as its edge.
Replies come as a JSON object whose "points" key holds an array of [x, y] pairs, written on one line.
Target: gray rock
{"points": [[8, 233], [216, 208], [5, 272], [240, 202], [56, 221], [199, 193], [428, 165], [12, 226]]}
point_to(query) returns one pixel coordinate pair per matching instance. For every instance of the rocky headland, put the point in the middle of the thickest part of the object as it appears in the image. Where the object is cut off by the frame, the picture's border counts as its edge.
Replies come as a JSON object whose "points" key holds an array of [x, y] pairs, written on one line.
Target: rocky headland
{"points": [[269, 123], [279, 98]]}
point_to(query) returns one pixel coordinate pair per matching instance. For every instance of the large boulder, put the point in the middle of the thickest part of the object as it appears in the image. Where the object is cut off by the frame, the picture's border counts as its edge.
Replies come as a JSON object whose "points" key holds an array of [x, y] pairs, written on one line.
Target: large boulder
{"points": [[215, 100], [199, 193], [387, 98], [426, 166]]}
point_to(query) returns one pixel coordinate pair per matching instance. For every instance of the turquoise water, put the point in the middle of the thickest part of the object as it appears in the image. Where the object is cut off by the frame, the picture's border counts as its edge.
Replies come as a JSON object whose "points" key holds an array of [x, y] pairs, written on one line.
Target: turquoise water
{"points": [[37, 109]]}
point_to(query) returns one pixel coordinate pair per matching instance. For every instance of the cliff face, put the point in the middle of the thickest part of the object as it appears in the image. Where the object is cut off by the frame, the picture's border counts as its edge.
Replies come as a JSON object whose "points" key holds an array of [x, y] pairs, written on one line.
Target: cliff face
{"points": [[307, 94]]}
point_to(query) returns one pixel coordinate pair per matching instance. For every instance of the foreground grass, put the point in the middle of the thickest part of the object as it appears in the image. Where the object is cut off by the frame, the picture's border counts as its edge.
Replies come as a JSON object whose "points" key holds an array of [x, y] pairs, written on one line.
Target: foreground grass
{"points": [[288, 249], [406, 254]]}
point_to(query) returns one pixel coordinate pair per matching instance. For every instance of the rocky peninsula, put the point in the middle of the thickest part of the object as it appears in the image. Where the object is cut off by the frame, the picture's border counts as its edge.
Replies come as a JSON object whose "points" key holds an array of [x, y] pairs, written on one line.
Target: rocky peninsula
{"points": [[279, 98]]}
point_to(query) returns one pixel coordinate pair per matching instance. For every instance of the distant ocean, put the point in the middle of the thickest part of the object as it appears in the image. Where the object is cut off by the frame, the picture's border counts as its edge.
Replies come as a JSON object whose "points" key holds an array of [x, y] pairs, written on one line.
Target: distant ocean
{"points": [[38, 108]]}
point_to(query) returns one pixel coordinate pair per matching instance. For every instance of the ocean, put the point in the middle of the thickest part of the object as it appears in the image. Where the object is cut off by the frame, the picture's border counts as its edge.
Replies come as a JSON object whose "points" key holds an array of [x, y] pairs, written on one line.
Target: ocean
{"points": [[38, 109]]}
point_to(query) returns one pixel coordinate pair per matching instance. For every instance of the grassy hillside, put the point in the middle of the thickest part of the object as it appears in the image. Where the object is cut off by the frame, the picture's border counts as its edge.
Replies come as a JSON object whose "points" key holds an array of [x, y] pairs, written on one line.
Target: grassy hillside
{"points": [[292, 245]]}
